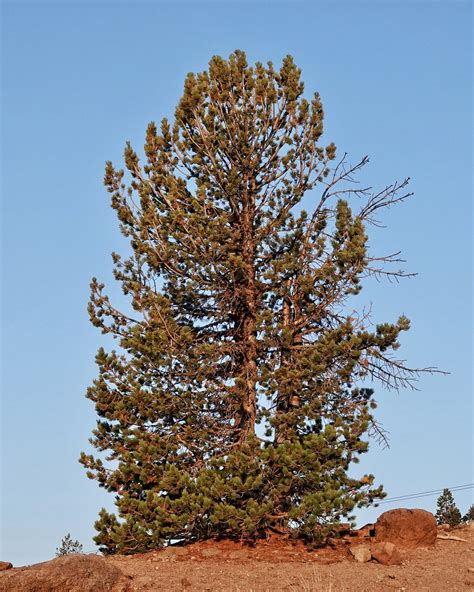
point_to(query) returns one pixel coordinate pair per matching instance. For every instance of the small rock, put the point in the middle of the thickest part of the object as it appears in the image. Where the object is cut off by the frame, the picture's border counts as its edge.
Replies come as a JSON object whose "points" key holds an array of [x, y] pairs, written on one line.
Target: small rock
{"points": [[242, 554], [361, 553], [386, 553], [5, 565], [210, 552], [470, 569], [172, 553]]}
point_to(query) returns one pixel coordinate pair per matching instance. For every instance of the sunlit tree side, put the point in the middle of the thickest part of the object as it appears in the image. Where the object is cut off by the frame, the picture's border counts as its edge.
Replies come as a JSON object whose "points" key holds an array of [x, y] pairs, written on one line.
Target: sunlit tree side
{"points": [[239, 318]]}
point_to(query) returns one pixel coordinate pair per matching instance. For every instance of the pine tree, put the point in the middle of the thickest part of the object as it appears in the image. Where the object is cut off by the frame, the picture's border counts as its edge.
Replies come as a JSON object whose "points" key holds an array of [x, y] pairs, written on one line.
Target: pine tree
{"points": [[68, 546], [235, 403], [469, 515], [447, 512]]}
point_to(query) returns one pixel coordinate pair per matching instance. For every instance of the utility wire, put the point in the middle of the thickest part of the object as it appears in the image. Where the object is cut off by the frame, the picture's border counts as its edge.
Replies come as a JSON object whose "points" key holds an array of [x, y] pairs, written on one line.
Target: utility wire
{"points": [[455, 488], [410, 496]]}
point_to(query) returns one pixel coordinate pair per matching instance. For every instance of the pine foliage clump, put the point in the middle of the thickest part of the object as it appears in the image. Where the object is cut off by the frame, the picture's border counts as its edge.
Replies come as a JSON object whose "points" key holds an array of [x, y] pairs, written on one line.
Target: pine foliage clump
{"points": [[447, 512], [235, 403], [469, 515], [68, 546]]}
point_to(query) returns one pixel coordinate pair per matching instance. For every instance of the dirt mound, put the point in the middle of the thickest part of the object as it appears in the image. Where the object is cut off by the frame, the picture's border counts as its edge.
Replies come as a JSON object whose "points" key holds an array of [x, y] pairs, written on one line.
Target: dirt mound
{"points": [[276, 549], [72, 573]]}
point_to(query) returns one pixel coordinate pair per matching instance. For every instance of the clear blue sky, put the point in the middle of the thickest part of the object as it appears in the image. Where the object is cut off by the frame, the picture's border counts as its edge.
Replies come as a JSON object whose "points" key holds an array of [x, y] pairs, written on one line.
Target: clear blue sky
{"points": [[81, 79]]}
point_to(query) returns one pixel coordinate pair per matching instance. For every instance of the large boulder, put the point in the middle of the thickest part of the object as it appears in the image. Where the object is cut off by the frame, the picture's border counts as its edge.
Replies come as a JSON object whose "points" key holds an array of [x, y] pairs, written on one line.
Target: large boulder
{"points": [[74, 573], [407, 529]]}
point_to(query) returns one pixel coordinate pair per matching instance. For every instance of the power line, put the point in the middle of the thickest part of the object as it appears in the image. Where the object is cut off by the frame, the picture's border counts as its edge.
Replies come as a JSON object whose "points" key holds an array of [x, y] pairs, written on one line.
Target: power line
{"points": [[410, 496], [456, 487]]}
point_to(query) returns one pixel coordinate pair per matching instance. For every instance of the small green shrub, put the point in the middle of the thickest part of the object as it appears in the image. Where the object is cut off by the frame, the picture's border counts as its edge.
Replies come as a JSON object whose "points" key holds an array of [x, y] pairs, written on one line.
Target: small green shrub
{"points": [[68, 546]]}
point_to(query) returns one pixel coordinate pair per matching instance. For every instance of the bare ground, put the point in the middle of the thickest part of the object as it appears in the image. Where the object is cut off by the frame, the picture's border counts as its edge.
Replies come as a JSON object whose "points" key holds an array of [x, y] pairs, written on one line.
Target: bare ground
{"points": [[281, 566], [273, 565]]}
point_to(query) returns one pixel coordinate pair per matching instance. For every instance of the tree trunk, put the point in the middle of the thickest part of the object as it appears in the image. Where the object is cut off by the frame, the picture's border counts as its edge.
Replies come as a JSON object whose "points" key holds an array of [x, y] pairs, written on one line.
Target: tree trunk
{"points": [[246, 414], [288, 398]]}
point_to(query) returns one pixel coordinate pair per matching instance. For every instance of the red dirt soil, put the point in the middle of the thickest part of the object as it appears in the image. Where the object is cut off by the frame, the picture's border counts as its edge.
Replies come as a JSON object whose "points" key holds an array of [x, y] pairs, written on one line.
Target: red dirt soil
{"points": [[273, 565], [279, 565]]}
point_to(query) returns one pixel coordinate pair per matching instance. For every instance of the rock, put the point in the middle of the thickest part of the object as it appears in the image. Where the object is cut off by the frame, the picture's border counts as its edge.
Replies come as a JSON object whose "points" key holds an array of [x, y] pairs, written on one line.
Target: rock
{"points": [[172, 553], [361, 553], [5, 565], [448, 537], [239, 554], [408, 529], [386, 553], [368, 530], [74, 573], [210, 552]]}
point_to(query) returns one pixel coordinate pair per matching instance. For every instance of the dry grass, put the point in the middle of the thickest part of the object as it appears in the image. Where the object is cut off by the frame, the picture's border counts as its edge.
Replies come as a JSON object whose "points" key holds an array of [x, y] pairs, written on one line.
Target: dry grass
{"points": [[316, 582]]}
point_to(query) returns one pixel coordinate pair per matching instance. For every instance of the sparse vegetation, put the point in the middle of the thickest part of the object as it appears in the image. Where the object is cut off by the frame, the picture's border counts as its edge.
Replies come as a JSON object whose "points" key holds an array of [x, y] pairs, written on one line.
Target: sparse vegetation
{"points": [[68, 546], [316, 582]]}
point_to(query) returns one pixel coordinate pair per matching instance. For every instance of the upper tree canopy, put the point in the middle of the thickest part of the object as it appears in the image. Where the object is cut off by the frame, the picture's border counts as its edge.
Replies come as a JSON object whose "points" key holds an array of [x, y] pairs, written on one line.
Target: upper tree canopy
{"points": [[241, 319]]}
